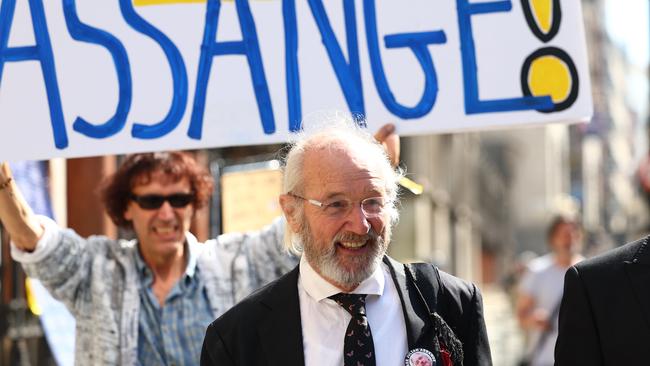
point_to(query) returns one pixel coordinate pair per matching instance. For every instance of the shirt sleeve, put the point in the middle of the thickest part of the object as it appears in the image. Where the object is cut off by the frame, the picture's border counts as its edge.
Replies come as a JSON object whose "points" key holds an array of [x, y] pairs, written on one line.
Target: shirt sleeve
{"points": [[62, 261], [268, 254], [477, 352], [44, 246], [253, 259], [528, 282]]}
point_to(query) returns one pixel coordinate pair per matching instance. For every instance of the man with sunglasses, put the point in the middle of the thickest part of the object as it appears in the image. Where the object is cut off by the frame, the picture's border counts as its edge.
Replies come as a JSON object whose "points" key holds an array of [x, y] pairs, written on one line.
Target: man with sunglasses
{"points": [[347, 303], [147, 301]]}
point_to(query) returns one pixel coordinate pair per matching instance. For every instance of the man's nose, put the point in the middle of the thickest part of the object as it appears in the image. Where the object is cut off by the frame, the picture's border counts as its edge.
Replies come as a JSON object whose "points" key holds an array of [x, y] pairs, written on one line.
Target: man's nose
{"points": [[165, 211], [357, 221]]}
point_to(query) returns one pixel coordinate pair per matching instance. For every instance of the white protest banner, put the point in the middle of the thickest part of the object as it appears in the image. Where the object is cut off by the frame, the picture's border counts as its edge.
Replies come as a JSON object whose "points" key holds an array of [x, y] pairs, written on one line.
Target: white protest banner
{"points": [[91, 77]]}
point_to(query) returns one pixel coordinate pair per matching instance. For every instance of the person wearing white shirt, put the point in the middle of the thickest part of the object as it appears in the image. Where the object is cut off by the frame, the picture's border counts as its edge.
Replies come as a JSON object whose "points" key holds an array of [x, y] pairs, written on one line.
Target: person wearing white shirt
{"points": [[347, 302], [323, 320]]}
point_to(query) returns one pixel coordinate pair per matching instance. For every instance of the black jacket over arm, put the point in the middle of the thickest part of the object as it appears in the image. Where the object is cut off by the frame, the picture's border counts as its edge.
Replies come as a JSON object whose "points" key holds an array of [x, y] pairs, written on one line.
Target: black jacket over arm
{"points": [[265, 328], [605, 311]]}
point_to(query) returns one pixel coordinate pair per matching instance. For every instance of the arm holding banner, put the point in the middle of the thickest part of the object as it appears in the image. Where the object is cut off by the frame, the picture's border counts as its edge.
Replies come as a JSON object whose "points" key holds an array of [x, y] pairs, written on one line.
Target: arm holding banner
{"points": [[387, 137], [59, 258], [15, 214]]}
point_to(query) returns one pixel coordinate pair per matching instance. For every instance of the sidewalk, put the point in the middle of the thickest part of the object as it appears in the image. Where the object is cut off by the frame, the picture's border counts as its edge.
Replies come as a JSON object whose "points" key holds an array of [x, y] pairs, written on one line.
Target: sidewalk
{"points": [[506, 341]]}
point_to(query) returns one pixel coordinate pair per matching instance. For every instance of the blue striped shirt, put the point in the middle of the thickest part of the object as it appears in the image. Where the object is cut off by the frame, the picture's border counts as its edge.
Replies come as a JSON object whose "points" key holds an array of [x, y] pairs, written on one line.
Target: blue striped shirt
{"points": [[173, 334]]}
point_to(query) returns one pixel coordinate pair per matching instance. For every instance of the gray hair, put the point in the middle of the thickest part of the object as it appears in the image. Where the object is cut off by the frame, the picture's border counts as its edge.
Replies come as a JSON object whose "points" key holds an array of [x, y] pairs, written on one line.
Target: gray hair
{"points": [[329, 130]]}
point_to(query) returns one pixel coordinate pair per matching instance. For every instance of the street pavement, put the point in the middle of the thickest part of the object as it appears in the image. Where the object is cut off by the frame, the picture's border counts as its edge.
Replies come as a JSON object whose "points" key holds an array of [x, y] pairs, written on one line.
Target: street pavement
{"points": [[506, 340]]}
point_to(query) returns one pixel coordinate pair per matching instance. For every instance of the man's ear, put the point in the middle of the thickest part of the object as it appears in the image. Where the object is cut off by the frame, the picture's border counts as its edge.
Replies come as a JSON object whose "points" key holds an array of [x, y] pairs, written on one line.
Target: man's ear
{"points": [[128, 214], [289, 209]]}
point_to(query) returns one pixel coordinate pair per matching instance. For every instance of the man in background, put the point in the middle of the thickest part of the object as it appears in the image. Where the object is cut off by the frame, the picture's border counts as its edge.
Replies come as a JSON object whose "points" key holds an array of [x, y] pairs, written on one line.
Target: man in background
{"points": [[145, 301], [541, 286]]}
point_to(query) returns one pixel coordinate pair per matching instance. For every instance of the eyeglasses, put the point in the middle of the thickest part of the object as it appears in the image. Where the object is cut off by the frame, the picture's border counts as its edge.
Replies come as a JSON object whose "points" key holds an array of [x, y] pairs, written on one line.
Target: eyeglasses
{"points": [[155, 201], [371, 207]]}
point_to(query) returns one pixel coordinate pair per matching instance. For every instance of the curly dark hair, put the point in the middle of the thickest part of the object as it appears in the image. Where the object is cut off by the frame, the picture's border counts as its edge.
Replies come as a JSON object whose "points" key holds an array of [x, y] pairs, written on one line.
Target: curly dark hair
{"points": [[138, 169]]}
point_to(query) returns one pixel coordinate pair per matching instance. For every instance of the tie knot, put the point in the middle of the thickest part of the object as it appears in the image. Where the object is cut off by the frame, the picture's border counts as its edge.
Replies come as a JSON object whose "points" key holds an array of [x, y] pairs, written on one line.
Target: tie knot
{"points": [[355, 304]]}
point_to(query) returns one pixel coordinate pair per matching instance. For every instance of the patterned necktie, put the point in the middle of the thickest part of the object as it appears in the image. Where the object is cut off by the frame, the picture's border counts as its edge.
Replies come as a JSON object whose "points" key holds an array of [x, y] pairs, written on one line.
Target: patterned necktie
{"points": [[358, 349]]}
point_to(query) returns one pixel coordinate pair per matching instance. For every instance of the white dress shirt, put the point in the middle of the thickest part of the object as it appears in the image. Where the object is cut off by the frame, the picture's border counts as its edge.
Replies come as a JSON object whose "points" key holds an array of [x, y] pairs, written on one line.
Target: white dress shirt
{"points": [[324, 322]]}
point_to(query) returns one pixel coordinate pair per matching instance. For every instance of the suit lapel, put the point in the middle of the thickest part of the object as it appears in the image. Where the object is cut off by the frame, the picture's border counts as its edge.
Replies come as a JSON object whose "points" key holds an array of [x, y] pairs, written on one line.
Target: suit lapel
{"points": [[283, 306], [281, 330], [638, 270], [416, 316]]}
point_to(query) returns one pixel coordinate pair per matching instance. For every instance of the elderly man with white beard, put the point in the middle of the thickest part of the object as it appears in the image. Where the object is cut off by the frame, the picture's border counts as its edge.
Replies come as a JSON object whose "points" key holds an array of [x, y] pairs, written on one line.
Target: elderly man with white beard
{"points": [[347, 302]]}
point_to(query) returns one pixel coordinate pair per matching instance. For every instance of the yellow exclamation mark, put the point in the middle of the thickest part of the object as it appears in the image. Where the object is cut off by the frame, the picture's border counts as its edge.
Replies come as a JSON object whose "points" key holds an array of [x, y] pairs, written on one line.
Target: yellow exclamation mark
{"points": [[549, 71], [543, 14], [543, 17]]}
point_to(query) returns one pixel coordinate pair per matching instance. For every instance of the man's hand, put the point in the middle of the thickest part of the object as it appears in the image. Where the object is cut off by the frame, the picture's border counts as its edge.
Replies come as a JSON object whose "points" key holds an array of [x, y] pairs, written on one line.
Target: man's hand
{"points": [[540, 319], [15, 214], [390, 140], [5, 172]]}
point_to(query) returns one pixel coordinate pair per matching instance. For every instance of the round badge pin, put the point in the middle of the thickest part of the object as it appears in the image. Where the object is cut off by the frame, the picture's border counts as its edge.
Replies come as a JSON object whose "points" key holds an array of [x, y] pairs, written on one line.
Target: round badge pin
{"points": [[420, 357]]}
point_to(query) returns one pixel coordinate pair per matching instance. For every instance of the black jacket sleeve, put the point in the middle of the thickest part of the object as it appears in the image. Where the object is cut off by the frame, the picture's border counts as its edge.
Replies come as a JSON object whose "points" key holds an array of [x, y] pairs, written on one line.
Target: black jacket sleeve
{"points": [[461, 305], [477, 349], [577, 343], [214, 351]]}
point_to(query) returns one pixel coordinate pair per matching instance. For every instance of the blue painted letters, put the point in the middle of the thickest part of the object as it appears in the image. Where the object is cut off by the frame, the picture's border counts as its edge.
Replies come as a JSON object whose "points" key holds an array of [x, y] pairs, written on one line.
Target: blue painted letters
{"points": [[348, 74], [418, 43], [179, 75], [249, 47], [473, 104], [41, 52], [85, 33], [294, 102], [345, 64]]}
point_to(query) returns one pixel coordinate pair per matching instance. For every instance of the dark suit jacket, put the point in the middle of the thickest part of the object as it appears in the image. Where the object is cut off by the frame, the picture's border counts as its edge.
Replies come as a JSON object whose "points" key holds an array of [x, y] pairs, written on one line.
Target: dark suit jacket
{"points": [[265, 328], [605, 311]]}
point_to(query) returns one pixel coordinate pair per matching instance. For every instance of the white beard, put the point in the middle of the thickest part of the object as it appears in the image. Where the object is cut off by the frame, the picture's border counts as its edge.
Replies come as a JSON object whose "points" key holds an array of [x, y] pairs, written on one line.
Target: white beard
{"points": [[325, 261]]}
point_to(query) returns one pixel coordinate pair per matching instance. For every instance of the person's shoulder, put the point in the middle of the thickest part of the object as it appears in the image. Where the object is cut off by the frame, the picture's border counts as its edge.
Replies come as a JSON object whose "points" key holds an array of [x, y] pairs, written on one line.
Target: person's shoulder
{"points": [[248, 311], [459, 289], [242, 315], [626, 253], [104, 244], [541, 263], [601, 275], [460, 300], [449, 282]]}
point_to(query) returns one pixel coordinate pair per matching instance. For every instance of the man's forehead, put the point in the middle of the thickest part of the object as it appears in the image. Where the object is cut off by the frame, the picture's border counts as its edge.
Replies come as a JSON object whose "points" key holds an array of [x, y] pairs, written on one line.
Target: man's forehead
{"points": [[157, 178], [346, 189], [332, 171]]}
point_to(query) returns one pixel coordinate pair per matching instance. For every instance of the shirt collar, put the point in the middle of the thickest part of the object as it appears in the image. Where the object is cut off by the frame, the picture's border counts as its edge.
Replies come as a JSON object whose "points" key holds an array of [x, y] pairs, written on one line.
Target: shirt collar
{"points": [[194, 247], [191, 245], [318, 288]]}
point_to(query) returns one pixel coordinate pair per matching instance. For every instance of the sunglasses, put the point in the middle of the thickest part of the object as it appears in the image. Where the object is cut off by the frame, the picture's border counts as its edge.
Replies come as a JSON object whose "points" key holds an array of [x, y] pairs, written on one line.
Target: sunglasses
{"points": [[155, 201]]}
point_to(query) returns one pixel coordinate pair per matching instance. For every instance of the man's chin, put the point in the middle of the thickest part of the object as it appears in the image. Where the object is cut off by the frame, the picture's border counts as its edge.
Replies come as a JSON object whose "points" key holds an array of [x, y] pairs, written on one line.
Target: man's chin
{"points": [[167, 245], [351, 271]]}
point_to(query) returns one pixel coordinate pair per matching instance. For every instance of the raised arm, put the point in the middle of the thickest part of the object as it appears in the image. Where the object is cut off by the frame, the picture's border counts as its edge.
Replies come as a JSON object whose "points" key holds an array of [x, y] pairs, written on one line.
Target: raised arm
{"points": [[390, 140], [15, 214]]}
